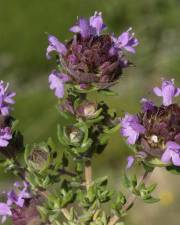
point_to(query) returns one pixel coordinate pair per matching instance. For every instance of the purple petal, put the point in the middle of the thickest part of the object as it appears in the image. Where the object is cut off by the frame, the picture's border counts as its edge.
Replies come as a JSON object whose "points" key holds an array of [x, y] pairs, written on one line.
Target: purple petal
{"points": [[177, 92], [5, 136], [172, 153], [168, 94], [124, 38], [131, 128], [6, 99], [175, 158], [166, 157], [55, 45], [57, 81], [130, 162], [147, 105], [83, 27], [173, 145], [133, 136], [5, 210], [75, 29], [167, 91], [157, 91], [96, 21], [130, 49], [4, 110], [126, 41]]}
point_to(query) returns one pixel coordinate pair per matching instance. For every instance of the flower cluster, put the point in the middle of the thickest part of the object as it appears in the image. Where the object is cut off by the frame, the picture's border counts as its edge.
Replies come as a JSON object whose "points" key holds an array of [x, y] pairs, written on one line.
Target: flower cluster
{"points": [[91, 59], [6, 99], [17, 198], [156, 130], [58, 186]]}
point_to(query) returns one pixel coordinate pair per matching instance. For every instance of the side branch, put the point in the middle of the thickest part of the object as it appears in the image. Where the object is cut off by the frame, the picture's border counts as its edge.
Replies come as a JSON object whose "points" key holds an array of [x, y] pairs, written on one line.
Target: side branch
{"points": [[132, 198]]}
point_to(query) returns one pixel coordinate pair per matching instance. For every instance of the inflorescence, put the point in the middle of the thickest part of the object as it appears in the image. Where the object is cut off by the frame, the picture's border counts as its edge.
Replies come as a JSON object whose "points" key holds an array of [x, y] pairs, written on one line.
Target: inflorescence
{"points": [[58, 186]]}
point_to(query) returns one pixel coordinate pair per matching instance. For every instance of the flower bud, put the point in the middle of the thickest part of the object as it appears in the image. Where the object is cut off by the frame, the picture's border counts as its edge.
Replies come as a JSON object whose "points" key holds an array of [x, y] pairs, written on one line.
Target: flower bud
{"points": [[87, 110], [75, 135], [38, 157]]}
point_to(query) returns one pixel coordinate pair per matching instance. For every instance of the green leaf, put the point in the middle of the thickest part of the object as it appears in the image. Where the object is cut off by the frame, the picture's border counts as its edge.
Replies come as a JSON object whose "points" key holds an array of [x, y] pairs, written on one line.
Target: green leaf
{"points": [[107, 92], [60, 135], [126, 181], [151, 200], [134, 181], [14, 124], [101, 181], [43, 212], [151, 188]]}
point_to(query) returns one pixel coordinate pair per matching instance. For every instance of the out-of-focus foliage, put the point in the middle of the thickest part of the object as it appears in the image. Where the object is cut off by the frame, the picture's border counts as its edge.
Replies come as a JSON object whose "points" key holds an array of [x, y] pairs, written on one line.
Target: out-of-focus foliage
{"points": [[23, 41]]}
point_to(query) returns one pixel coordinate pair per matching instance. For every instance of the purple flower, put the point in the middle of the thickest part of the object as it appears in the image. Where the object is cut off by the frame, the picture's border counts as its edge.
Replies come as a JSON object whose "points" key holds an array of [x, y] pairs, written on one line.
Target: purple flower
{"points": [[96, 21], [55, 45], [167, 91], [130, 162], [126, 41], [172, 153], [147, 105], [14, 198], [5, 211], [6, 98], [57, 81], [83, 27], [20, 197], [131, 128], [5, 136], [92, 26]]}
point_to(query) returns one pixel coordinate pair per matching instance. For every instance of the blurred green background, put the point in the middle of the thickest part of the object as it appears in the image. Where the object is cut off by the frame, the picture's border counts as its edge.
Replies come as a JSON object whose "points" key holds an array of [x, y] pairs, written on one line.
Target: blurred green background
{"points": [[23, 42]]}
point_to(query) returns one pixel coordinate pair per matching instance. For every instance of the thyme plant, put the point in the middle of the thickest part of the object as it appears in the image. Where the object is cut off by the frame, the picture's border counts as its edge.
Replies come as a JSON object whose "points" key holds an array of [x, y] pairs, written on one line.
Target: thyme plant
{"points": [[56, 187]]}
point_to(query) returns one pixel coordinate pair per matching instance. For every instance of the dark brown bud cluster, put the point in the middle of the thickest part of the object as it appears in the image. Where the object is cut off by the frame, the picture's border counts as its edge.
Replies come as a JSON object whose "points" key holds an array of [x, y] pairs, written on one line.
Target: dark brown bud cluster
{"points": [[90, 61], [162, 124]]}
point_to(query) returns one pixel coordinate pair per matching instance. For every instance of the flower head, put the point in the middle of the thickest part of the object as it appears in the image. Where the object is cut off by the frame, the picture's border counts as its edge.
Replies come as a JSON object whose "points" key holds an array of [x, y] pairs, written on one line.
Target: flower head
{"points": [[172, 153], [92, 59], [167, 91], [160, 136], [57, 81], [6, 99], [131, 128], [5, 136]]}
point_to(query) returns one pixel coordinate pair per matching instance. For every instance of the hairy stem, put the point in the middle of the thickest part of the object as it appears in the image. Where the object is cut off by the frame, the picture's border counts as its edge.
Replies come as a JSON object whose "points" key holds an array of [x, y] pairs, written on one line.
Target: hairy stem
{"points": [[132, 198], [88, 173]]}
